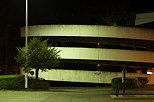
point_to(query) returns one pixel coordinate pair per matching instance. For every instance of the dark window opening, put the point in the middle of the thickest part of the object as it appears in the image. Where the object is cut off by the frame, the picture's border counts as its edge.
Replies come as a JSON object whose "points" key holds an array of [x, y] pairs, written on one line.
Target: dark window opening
{"points": [[88, 45], [94, 67]]}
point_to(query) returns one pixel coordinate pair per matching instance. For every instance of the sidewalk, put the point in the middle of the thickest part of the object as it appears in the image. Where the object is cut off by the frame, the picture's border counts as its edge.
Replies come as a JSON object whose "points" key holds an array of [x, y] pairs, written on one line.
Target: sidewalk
{"points": [[135, 94], [133, 97]]}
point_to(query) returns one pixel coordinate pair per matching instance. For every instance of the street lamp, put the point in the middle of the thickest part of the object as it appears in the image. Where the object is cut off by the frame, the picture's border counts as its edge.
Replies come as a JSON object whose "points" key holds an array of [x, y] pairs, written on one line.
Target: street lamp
{"points": [[26, 39]]}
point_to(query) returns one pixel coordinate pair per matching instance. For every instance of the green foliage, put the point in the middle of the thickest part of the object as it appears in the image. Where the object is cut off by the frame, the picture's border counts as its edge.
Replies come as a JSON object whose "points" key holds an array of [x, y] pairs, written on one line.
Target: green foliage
{"points": [[38, 84], [11, 82], [21, 58], [9, 76], [17, 82], [116, 82], [143, 80], [131, 82], [39, 56]]}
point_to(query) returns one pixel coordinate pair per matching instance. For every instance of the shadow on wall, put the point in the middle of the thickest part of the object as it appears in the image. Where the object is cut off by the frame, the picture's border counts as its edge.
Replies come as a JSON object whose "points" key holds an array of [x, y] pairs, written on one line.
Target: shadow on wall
{"points": [[76, 84]]}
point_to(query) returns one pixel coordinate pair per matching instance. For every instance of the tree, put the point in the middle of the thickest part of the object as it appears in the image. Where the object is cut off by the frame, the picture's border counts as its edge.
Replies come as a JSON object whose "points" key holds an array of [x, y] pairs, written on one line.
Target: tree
{"points": [[39, 56]]}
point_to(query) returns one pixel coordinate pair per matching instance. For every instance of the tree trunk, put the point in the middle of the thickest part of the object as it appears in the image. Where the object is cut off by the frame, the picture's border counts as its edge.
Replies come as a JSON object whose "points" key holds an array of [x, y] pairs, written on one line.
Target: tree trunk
{"points": [[37, 72]]}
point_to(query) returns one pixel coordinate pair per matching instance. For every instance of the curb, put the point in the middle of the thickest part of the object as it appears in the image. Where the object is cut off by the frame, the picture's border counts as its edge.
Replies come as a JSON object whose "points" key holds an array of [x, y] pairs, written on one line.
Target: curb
{"points": [[134, 97]]}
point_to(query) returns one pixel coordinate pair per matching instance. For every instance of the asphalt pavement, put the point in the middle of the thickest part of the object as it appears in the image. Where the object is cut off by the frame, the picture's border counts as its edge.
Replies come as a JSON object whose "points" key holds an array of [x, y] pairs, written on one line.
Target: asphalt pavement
{"points": [[104, 94]]}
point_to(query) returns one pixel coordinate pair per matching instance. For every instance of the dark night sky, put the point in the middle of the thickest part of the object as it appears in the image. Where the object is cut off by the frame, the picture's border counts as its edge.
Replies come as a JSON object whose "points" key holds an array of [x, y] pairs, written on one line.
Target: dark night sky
{"points": [[67, 12], [12, 16]]}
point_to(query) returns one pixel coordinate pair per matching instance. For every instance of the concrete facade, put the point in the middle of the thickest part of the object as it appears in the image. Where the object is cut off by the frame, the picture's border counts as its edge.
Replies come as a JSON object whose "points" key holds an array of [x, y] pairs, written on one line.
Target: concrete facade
{"points": [[106, 54], [87, 76], [97, 55], [89, 31]]}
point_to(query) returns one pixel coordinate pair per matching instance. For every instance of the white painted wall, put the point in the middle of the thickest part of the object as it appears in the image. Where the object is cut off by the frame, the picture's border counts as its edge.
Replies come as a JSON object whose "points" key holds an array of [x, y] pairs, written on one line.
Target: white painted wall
{"points": [[89, 31]]}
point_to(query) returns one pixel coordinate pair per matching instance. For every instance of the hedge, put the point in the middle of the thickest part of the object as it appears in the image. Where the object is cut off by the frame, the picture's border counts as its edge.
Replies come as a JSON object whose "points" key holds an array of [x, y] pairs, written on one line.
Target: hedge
{"points": [[130, 82], [143, 80], [11, 82], [18, 82], [38, 84]]}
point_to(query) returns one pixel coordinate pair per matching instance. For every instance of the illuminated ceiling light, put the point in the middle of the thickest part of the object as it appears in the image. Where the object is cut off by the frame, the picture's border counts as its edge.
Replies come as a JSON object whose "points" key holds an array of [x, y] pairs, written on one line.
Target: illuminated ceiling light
{"points": [[98, 43], [149, 73], [98, 65]]}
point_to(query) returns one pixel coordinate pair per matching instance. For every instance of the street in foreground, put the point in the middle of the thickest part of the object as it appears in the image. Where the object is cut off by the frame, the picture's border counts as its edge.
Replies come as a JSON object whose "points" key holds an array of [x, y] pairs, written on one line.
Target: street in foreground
{"points": [[63, 95]]}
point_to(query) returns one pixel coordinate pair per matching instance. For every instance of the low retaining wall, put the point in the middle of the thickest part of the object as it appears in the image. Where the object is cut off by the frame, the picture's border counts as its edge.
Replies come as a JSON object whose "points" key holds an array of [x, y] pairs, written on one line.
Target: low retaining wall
{"points": [[87, 76]]}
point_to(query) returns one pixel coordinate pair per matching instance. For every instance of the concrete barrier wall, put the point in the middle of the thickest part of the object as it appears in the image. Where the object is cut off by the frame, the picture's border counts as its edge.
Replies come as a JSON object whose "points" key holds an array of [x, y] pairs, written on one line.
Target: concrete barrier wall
{"points": [[89, 31], [86, 76], [106, 54], [144, 18]]}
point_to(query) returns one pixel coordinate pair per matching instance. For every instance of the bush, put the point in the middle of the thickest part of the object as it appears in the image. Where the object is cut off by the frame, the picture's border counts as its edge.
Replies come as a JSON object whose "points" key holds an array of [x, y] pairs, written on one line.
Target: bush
{"points": [[143, 80], [130, 82], [11, 82], [38, 84], [18, 82], [116, 82]]}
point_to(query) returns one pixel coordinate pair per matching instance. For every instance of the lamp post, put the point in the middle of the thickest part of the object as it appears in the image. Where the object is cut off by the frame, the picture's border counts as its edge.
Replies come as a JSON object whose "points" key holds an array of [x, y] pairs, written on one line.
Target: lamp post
{"points": [[124, 78], [26, 39]]}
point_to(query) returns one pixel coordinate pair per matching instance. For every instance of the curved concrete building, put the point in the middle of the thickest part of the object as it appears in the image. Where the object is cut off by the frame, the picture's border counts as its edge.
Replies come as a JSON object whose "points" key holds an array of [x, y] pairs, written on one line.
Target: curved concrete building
{"points": [[96, 54]]}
